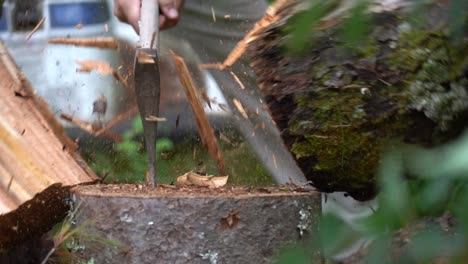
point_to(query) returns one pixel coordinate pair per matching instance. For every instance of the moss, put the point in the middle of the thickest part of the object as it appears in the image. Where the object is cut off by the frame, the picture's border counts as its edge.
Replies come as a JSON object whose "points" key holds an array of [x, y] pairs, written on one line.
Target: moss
{"points": [[434, 74], [438, 103], [337, 134]]}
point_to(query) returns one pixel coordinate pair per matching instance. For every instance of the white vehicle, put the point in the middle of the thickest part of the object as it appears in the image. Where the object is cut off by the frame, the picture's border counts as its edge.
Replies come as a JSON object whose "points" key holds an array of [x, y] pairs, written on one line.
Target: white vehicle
{"points": [[52, 69]]}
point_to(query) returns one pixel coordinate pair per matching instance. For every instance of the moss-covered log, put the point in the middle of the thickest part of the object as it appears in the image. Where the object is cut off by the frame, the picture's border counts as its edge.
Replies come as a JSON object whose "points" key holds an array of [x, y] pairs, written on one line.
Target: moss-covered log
{"points": [[338, 107]]}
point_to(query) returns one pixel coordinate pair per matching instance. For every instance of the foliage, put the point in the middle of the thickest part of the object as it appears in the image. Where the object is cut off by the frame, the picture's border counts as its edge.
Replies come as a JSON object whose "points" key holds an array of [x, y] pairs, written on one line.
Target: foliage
{"points": [[416, 184], [65, 236], [438, 182], [355, 21]]}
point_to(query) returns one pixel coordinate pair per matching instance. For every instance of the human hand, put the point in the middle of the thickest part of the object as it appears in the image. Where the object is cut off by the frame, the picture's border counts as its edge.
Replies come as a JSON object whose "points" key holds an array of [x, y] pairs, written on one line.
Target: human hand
{"points": [[128, 11]]}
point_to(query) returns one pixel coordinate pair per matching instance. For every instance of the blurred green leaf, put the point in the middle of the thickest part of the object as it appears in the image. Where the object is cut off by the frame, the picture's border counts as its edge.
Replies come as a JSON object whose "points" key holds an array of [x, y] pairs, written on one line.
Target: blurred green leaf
{"points": [[379, 251], [449, 160], [137, 127], [433, 197], [335, 234], [355, 29], [294, 255], [128, 147], [164, 144], [457, 18], [394, 190], [304, 23]]}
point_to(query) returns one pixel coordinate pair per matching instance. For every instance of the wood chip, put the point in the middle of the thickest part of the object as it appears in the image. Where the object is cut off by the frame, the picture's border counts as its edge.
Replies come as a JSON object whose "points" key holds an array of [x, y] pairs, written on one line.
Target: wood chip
{"points": [[153, 39], [213, 14], [85, 126], [103, 68], [36, 28], [274, 161], [239, 107], [271, 16], [156, 119], [223, 107], [214, 66], [144, 58], [102, 43], [117, 120], [224, 138], [205, 97], [237, 80], [206, 132]]}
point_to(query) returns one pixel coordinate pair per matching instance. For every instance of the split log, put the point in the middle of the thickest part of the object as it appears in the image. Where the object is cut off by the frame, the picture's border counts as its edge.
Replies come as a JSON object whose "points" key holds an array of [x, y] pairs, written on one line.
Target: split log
{"points": [[37, 160], [194, 225], [338, 108]]}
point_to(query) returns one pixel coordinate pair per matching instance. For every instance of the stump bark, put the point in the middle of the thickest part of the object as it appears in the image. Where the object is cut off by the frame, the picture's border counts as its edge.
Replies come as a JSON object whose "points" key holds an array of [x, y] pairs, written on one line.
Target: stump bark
{"points": [[339, 107], [194, 225]]}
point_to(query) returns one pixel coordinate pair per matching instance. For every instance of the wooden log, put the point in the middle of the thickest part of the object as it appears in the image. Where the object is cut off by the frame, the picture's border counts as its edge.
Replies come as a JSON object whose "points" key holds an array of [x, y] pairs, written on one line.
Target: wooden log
{"points": [[37, 160], [338, 108], [194, 224]]}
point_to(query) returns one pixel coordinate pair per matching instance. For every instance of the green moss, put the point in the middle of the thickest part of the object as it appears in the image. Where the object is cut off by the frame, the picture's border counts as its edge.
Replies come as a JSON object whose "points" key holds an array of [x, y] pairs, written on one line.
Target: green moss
{"points": [[337, 133], [345, 154]]}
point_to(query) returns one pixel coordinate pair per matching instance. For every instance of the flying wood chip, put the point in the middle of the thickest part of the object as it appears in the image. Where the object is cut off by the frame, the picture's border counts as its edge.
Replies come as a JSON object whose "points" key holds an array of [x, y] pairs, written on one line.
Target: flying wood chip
{"points": [[36, 28], [102, 43], [206, 132], [100, 67]]}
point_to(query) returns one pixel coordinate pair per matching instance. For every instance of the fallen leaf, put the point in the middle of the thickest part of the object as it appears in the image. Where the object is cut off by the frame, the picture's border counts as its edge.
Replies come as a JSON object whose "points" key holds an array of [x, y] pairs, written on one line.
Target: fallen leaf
{"points": [[191, 178]]}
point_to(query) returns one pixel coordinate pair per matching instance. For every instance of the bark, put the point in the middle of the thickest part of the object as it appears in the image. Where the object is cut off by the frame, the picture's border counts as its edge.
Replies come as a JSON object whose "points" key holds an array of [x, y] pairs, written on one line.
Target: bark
{"points": [[338, 108], [194, 225]]}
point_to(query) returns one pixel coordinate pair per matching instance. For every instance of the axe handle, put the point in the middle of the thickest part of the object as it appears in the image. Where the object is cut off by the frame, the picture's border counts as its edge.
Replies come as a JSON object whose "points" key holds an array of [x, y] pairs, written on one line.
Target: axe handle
{"points": [[149, 24]]}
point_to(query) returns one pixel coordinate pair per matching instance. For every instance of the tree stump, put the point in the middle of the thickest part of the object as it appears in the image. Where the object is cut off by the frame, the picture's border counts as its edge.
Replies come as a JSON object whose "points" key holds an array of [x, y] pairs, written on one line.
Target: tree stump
{"points": [[194, 225], [338, 107]]}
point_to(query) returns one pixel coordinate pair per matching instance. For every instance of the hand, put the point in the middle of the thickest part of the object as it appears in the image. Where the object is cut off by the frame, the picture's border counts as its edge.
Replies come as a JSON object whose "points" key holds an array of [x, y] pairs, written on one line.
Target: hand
{"points": [[128, 11]]}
